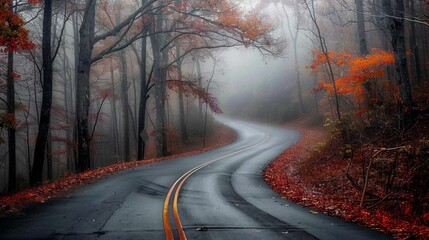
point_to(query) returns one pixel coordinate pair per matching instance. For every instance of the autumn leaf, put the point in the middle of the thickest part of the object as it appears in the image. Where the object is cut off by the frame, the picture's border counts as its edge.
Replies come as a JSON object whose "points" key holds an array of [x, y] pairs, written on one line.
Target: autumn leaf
{"points": [[358, 70], [13, 35]]}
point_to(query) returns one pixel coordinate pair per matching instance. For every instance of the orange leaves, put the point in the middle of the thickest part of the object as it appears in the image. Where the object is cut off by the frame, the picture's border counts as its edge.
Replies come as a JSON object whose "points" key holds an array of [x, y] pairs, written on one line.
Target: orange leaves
{"points": [[356, 70], [253, 27], [249, 26], [338, 58], [227, 15], [371, 64]]}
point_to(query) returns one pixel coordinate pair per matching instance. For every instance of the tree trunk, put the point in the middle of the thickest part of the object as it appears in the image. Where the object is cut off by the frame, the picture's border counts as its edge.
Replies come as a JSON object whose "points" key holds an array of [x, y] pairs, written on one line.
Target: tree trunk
{"points": [[143, 97], [183, 130], [76, 41], [163, 93], [423, 36], [206, 115], [68, 89], [415, 59], [49, 158], [27, 132], [316, 98], [395, 25], [298, 79], [45, 112], [324, 49], [200, 103], [123, 68], [294, 36], [113, 110], [11, 130], [160, 69], [125, 110], [363, 48], [160, 113], [86, 34]]}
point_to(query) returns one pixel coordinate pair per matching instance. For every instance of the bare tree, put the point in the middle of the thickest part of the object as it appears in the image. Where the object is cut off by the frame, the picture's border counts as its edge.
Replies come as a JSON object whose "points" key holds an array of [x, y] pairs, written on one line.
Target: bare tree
{"points": [[310, 6], [294, 34]]}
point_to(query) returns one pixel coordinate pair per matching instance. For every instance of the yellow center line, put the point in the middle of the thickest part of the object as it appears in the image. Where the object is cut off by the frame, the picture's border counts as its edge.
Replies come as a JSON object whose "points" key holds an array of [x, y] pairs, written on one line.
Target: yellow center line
{"points": [[182, 235], [166, 222], [179, 183]]}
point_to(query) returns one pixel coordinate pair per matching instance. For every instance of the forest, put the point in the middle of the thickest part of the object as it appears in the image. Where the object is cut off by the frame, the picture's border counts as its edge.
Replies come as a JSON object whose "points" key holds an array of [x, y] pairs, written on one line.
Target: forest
{"points": [[89, 83]]}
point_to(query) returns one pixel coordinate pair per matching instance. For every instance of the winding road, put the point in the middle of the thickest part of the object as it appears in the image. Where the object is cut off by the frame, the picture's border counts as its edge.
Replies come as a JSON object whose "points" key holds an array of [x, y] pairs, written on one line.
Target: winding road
{"points": [[214, 195]]}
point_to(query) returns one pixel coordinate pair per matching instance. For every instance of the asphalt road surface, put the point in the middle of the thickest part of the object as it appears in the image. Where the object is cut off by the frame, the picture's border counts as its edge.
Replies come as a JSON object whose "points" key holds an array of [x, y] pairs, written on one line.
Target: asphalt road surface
{"points": [[213, 195]]}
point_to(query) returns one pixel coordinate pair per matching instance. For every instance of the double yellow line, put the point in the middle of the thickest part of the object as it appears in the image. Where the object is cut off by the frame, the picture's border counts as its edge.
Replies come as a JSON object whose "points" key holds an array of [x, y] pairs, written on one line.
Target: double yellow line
{"points": [[176, 187]]}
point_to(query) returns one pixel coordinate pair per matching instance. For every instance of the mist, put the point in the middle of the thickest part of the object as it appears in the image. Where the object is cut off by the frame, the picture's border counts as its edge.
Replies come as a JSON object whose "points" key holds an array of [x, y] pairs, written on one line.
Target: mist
{"points": [[254, 85]]}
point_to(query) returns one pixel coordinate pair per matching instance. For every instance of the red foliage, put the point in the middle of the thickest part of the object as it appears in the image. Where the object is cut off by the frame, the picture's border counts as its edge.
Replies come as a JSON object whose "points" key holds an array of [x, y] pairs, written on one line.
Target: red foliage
{"points": [[302, 182], [193, 90], [13, 36]]}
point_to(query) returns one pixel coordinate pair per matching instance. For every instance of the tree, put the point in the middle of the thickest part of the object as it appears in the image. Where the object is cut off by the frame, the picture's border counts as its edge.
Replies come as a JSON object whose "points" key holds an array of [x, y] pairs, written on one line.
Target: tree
{"points": [[87, 41], [324, 49], [13, 37], [415, 60], [49, 37], [11, 130], [86, 38], [184, 132], [294, 34], [199, 23], [363, 49], [124, 93], [357, 72], [160, 63], [144, 88], [45, 112], [395, 25], [360, 16]]}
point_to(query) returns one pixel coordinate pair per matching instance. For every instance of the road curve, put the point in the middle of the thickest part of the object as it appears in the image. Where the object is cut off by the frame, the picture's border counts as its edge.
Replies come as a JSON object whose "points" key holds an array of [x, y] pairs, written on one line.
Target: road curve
{"points": [[217, 195]]}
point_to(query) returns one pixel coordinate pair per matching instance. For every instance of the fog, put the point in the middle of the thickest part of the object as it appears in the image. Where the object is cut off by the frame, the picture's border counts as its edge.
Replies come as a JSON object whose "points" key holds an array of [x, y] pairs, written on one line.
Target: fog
{"points": [[246, 74], [251, 84]]}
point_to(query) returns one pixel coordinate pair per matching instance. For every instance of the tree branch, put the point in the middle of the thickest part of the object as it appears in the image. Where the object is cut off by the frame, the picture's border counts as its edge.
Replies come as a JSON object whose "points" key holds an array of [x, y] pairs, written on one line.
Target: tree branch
{"points": [[96, 118]]}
